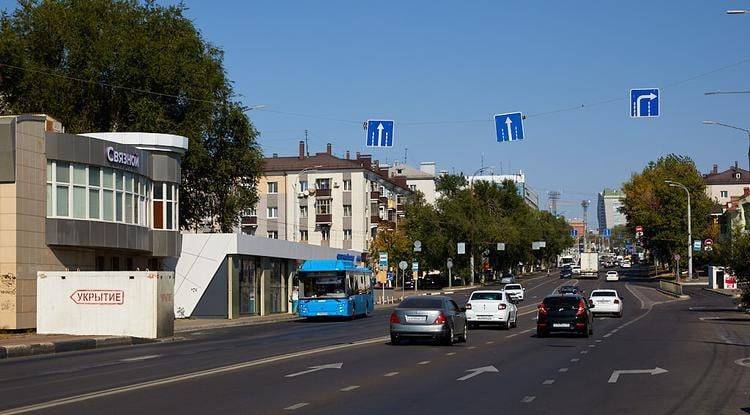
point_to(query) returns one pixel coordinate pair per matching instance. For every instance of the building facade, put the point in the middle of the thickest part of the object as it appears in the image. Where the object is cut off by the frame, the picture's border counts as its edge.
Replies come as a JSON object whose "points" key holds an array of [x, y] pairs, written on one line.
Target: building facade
{"points": [[325, 200], [736, 214], [722, 185], [418, 180], [608, 209], [530, 196], [88, 202]]}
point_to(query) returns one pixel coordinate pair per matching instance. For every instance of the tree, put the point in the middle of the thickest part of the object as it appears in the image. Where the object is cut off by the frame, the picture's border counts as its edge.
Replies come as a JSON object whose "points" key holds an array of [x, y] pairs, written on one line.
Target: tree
{"points": [[125, 65], [395, 243], [662, 210]]}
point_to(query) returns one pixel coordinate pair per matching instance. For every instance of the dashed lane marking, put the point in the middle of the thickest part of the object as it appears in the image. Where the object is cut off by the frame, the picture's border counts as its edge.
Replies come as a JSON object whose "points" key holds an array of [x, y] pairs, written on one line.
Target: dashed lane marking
{"points": [[527, 331], [349, 388], [575, 359], [592, 345], [424, 362], [584, 351], [607, 335], [296, 406], [528, 399], [598, 341], [139, 358], [472, 347], [450, 353], [563, 369], [389, 374], [548, 382], [489, 342], [512, 335]]}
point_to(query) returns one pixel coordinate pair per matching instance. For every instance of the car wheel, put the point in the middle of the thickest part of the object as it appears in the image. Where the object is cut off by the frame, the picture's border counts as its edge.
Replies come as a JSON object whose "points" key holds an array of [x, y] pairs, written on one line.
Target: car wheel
{"points": [[540, 333], [619, 315], [464, 337], [515, 322], [448, 339], [395, 341]]}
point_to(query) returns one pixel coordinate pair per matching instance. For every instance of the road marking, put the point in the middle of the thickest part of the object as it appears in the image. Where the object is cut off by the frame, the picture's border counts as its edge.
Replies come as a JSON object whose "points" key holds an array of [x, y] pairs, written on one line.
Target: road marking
{"points": [[389, 374], [312, 369], [548, 382], [743, 362], [139, 358], [188, 376], [424, 362], [563, 369], [450, 353], [527, 331], [607, 335], [489, 342], [296, 406], [643, 304], [478, 371], [528, 399], [655, 371], [472, 347], [575, 359], [584, 351], [349, 388], [512, 335], [592, 345], [598, 341]]}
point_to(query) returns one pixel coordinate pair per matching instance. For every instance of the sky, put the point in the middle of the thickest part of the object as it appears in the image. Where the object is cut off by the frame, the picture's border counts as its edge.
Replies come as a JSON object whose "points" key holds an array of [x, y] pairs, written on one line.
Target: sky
{"points": [[441, 69]]}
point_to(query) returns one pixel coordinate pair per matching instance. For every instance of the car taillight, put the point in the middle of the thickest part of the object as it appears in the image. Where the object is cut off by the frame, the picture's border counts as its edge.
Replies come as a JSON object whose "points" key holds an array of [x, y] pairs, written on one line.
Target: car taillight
{"points": [[394, 318], [617, 301], [501, 306], [440, 319], [581, 308], [542, 309], [468, 306]]}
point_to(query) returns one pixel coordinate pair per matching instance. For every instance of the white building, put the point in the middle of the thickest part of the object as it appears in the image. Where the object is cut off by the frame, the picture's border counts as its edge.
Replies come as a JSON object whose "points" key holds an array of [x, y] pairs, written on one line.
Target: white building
{"points": [[721, 186], [529, 195], [422, 180], [608, 209]]}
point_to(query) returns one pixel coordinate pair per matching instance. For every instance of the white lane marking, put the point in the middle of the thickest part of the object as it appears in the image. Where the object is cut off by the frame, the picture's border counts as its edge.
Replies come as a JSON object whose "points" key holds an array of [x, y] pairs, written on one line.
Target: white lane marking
{"points": [[472, 347], [512, 335], [643, 304], [389, 374], [312, 369], [563, 369], [584, 351], [598, 341], [607, 335], [528, 399], [527, 331], [349, 388], [489, 342], [424, 362], [188, 376], [139, 358], [296, 406], [575, 359], [743, 362], [478, 371], [592, 345], [548, 382], [450, 353], [655, 371]]}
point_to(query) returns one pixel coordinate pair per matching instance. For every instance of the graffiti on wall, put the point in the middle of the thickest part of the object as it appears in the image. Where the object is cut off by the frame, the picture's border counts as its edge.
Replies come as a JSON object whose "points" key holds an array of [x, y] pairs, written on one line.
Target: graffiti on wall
{"points": [[8, 292]]}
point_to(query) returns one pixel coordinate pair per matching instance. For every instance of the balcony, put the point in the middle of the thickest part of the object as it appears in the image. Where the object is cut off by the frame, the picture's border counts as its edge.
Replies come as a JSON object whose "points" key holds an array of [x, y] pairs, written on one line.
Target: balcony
{"points": [[374, 195], [399, 207], [324, 219], [383, 200], [322, 192], [249, 221]]}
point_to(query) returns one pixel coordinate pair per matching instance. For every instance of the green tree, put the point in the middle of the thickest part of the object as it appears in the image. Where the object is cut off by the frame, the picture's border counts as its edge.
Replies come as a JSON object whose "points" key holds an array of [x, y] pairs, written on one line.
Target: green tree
{"points": [[662, 210], [125, 65]]}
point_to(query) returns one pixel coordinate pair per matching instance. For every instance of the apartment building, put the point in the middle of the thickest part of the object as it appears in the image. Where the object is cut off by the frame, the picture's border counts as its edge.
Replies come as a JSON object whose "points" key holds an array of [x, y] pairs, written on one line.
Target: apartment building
{"points": [[722, 185], [325, 200], [608, 209], [422, 179]]}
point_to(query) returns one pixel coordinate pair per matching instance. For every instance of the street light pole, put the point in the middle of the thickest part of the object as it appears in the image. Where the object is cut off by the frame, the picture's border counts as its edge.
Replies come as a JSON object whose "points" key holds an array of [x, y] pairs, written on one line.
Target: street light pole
{"points": [[745, 130], [471, 186], [690, 229]]}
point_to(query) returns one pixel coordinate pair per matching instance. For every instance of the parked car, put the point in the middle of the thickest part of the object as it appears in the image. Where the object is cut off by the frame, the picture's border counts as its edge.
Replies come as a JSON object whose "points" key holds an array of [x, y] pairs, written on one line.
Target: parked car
{"points": [[508, 279], [515, 291], [564, 313], [576, 269], [612, 276], [491, 307], [606, 302], [429, 317]]}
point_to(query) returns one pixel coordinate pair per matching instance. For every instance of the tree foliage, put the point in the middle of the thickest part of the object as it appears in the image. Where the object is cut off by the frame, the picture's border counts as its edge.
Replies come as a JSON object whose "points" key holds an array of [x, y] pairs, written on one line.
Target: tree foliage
{"points": [[125, 65], [662, 210]]}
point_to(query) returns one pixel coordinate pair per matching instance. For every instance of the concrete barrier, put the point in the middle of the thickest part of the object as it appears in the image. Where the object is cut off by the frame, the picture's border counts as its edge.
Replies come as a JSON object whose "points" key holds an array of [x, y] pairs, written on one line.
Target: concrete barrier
{"points": [[126, 303], [670, 287]]}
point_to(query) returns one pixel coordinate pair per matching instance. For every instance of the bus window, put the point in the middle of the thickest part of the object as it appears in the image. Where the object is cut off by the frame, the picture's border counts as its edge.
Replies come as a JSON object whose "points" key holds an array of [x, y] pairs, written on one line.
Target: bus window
{"points": [[323, 286]]}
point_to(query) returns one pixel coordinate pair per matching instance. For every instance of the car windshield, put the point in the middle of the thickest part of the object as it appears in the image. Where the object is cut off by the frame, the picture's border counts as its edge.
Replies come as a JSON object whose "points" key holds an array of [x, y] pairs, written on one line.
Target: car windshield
{"points": [[561, 301], [512, 287], [568, 288], [604, 294], [422, 302], [487, 296]]}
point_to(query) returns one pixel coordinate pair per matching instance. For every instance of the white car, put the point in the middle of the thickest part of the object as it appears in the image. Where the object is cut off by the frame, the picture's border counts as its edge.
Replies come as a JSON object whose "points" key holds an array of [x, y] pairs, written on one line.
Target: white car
{"points": [[612, 276], [625, 264], [515, 291], [606, 302], [491, 307], [576, 269]]}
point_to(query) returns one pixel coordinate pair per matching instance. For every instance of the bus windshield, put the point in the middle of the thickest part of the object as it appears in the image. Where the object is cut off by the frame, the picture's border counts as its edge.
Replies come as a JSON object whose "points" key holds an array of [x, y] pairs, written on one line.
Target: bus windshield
{"points": [[323, 285]]}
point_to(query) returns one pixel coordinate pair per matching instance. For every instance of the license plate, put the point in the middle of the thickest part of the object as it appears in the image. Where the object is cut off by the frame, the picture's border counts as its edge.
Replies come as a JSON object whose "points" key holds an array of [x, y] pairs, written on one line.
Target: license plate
{"points": [[603, 301], [322, 314], [416, 319], [484, 317], [561, 325]]}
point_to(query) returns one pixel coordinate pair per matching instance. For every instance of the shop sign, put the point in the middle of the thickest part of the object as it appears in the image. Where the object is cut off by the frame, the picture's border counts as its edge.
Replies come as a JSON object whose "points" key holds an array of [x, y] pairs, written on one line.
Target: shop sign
{"points": [[126, 159]]}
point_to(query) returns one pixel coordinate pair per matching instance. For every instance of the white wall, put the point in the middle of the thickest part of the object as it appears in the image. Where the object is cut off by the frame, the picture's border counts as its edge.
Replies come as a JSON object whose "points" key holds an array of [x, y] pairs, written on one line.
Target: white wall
{"points": [[714, 191]]}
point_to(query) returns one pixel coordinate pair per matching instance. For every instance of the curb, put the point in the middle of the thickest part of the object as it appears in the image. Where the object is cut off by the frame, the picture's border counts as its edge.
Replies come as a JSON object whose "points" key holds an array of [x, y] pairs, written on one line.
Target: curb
{"points": [[671, 294], [35, 349], [721, 293]]}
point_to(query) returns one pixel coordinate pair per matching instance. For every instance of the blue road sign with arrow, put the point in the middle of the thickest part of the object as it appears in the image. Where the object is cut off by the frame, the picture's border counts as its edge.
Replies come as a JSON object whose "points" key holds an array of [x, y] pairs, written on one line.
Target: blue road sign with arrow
{"points": [[607, 232], [379, 133], [509, 126], [644, 102]]}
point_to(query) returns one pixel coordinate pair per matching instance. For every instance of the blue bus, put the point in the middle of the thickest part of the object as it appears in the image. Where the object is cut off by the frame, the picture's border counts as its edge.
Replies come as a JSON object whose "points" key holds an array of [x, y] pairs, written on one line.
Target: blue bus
{"points": [[334, 288]]}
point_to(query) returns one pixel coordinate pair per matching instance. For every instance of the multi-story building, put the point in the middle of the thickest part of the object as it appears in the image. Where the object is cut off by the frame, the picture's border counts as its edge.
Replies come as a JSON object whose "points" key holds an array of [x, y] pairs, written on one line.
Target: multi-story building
{"points": [[736, 214], [530, 196], [325, 200], [721, 186], [88, 202], [421, 180], [608, 209]]}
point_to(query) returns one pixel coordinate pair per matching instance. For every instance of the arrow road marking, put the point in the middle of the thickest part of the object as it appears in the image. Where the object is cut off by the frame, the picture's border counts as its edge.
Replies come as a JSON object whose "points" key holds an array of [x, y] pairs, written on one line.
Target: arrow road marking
{"points": [[312, 369], [638, 103], [478, 371], [655, 371], [380, 134], [508, 124]]}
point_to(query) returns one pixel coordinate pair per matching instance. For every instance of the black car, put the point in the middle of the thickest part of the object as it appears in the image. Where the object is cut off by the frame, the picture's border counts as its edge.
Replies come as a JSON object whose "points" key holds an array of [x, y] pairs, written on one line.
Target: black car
{"points": [[569, 313], [566, 272], [433, 282]]}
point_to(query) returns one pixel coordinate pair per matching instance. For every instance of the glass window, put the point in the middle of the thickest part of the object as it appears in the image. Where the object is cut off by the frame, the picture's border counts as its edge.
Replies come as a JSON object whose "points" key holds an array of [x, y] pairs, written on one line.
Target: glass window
{"points": [[347, 185], [136, 205], [79, 174], [118, 207], [158, 191], [273, 187], [108, 178], [49, 199], [108, 205], [325, 234], [79, 202], [273, 234], [128, 208], [128, 182], [170, 217], [303, 186], [272, 212], [118, 180], [323, 206], [347, 234], [62, 200], [323, 183], [158, 214], [303, 211], [422, 302], [303, 236], [94, 176], [169, 192], [347, 210], [63, 172], [93, 204], [49, 171]]}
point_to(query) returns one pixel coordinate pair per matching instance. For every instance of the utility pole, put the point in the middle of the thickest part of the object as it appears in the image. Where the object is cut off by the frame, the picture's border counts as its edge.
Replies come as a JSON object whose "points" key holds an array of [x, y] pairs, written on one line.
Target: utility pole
{"points": [[689, 226], [307, 145], [585, 205]]}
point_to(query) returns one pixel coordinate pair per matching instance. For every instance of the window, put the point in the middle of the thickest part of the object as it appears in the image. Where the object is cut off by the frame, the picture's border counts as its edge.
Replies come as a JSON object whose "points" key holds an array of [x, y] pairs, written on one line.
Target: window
{"points": [[323, 207], [347, 185], [347, 234], [303, 211], [273, 234], [303, 236], [249, 212], [303, 185], [165, 206], [323, 183], [325, 234], [724, 193], [413, 187], [347, 210], [273, 187], [272, 212]]}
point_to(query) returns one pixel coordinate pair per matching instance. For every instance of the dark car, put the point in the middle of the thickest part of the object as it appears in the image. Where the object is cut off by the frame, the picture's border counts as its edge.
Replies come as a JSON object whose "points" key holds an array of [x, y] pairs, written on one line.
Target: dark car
{"points": [[429, 317], [566, 272], [433, 282], [571, 289], [565, 313]]}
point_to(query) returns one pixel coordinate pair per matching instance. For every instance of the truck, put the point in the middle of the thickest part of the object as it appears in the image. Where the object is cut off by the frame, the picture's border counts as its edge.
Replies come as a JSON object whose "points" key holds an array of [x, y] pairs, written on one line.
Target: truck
{"points": [[589, 265]]}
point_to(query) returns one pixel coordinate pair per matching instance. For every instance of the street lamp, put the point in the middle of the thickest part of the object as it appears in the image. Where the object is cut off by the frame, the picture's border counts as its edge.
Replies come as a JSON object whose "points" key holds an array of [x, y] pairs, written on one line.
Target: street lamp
{"points": [[737, 11], [296, 198], [725, 92], [745, 130], [254, 107], [471, 186], [690, 229]]}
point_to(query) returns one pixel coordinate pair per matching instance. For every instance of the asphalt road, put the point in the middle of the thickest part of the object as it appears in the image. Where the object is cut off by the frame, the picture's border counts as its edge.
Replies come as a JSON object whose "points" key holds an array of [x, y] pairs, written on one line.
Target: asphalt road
{"points": [[693, 346]]}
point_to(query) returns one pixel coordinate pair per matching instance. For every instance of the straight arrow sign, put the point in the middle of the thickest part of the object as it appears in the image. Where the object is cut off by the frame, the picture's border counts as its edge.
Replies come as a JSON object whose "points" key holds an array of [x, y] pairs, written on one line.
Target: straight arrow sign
{"points": [[312, 369], [655, 371], [478, 371]]}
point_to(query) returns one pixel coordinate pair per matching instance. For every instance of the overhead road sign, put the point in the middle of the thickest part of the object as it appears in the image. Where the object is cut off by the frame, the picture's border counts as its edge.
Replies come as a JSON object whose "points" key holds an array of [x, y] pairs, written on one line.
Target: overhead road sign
{"points": [[509, 127], [379, 133], [607, 232], [644, 103]]}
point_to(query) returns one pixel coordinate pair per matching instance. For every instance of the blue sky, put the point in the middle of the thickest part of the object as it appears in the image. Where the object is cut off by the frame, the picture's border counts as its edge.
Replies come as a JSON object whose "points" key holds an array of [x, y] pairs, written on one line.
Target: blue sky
{"points": [[423, 63]]}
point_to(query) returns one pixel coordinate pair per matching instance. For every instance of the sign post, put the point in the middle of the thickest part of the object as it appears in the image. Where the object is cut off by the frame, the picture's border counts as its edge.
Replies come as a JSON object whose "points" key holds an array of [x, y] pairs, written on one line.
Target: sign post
{"points": [[415, 269], [449, 264], [402, 266]]}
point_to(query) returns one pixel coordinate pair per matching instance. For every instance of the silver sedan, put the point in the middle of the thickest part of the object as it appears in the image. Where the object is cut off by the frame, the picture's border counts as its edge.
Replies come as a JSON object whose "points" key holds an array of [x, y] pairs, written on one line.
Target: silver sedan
{"points": [[429, 317]]}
